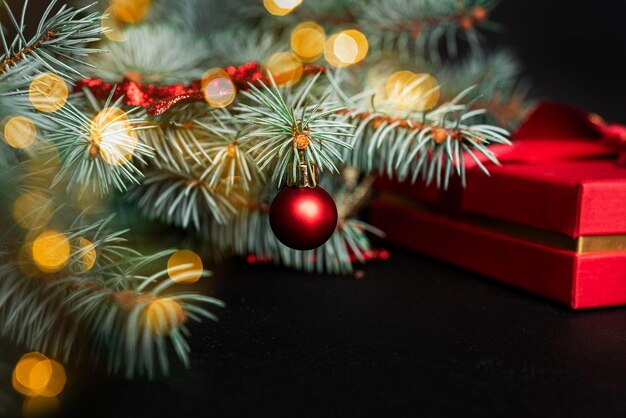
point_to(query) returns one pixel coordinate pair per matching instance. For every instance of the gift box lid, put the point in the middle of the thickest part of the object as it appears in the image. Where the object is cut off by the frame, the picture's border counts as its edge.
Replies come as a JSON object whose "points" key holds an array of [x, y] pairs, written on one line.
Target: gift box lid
{"points": [[558, 176]]}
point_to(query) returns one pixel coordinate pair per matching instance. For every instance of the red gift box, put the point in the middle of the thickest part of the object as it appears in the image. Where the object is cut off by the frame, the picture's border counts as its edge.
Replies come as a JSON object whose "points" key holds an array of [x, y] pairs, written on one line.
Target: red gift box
{"points": [[551, 219]]}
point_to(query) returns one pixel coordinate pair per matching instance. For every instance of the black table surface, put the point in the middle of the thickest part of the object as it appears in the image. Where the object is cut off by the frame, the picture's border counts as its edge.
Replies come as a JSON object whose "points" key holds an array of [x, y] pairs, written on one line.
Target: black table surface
{"points": [[413, 337]]}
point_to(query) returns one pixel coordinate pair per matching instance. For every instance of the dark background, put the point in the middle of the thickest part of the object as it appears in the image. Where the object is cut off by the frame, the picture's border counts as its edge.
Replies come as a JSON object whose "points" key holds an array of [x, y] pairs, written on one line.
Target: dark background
{"points": [[413, 337], [571, 50]]}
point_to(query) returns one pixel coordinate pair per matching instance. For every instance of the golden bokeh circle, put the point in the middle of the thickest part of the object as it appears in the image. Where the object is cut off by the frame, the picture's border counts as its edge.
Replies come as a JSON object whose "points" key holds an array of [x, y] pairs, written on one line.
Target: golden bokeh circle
{"points": [[57, 380], [280, 7], [113, 134], [406, 91], [32, 209], [285, 67], [163, 316], [346, 48], [130, 11], [48, 92], [111, 26], [19, 131], [32, 374], [308, 40], [184, 266], [38, 377], [219, 90], [88, 251], [50, 251]]}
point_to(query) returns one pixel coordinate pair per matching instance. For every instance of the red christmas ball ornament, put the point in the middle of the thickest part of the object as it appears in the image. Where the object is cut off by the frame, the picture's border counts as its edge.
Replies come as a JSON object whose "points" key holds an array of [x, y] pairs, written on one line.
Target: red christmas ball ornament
{"points": [[303, 218]]}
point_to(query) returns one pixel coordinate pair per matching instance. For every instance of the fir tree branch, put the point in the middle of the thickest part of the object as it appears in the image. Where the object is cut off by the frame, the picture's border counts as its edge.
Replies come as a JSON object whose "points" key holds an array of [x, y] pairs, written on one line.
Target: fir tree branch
{"points": [[431, 145], [109, 303], [292, 133], [10, 61], [58, 44], [185, 198], [102, 156]]}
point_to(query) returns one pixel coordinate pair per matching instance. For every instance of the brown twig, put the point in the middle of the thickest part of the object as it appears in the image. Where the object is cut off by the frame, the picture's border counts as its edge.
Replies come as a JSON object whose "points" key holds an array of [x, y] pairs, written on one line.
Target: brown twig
{"points": [[439, 134], [24, 52]]}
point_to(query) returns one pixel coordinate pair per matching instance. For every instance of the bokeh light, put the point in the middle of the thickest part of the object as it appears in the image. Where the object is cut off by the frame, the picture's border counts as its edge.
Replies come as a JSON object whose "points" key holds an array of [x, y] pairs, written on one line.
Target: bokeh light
{"points": [[37, 376], [308, 40], [163, 316], [285, 67], [32, 209], [112, 27], [19, 131], [31, 374], [346, 48], [184, 266], [219, 90], [281, 7], [51, 250], [88, 253], [41, 380], [113, 136], [407, 91], [48, 92], [57, 381], [130, 11]]}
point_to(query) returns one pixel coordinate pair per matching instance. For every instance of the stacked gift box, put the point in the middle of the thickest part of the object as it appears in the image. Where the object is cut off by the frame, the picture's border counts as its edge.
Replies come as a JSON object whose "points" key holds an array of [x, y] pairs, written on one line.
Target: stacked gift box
{"points": [[551, 219]]}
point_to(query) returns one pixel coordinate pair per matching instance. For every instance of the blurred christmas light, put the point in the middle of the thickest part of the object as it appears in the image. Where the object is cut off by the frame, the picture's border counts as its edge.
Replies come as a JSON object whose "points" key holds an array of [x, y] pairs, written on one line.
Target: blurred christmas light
{"points": [[48, 92], [32, 210], [37, 376], [163, 316], [112, 136], [19, 131], [184, 266], [407, 91], [57, 381], [112, 27], [31, 374], [88, 252], [285, 67], [346, 48], [130, 11], [281, 7], [50, 250], [40, 380], [219, 90], [308, 40]]}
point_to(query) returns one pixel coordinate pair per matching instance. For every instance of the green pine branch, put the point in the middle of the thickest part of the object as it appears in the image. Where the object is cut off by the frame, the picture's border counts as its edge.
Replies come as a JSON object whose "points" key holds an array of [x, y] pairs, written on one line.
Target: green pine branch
{"points": [[59, 43], [102, 313], [291, 131]]}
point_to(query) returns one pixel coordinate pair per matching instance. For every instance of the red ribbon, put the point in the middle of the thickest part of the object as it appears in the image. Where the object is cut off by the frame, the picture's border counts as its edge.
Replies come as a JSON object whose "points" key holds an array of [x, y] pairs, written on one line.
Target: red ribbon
{"points": [[158, 99], [614, 135], [554, 121]]}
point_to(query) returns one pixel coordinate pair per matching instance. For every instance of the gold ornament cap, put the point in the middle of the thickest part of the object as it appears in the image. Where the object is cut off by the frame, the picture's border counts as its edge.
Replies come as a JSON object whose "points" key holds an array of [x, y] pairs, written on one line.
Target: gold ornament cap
{"points": [[304, 177]]}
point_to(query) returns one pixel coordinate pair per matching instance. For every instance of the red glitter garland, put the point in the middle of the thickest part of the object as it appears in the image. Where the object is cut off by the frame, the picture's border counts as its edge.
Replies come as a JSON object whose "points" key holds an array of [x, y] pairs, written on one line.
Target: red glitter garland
{"points": [[159, 99]]}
